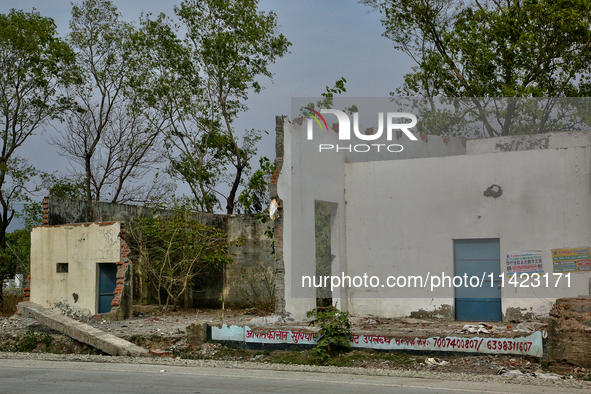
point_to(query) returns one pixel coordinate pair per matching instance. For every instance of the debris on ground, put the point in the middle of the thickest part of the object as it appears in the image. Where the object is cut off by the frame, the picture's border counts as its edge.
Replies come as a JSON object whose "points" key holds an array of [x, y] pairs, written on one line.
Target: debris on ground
{"points": [[166, 332], [481, 328], [433, 361]]}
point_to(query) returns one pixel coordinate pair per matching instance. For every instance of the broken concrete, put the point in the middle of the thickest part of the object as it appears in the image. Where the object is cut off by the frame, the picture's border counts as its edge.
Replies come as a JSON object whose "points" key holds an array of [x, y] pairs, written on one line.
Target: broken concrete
{"points": [[197, 334], [108, 343]]}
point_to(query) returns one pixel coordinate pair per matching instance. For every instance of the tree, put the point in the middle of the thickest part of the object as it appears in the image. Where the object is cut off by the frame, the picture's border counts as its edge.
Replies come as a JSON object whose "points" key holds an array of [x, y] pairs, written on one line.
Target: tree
{"points": [[17, 255], [36, 65], [175, 91], [110, 136], [491, 48], [175, 251], [254, 198], [233, 44], [63, 187]]}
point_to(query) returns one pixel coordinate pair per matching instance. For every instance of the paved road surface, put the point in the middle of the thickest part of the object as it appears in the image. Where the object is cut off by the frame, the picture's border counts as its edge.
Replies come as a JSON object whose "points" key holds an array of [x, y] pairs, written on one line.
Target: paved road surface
{"points": [[36, 376]]}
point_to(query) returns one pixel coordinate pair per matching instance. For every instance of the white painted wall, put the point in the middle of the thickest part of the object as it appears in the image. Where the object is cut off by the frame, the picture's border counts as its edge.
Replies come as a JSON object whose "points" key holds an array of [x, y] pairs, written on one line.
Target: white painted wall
{"points": [[399, 214], [308, 175], [82, 247], [402, 218]]}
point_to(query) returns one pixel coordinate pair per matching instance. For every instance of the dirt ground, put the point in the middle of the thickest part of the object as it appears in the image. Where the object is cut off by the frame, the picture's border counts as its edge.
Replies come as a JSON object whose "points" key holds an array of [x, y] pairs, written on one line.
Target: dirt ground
{"points": [[154, 329]]}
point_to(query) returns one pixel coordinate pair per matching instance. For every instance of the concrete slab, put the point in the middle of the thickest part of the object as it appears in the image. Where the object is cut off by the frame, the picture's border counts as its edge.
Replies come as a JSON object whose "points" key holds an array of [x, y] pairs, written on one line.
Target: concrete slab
{"points": [[106, 342]]}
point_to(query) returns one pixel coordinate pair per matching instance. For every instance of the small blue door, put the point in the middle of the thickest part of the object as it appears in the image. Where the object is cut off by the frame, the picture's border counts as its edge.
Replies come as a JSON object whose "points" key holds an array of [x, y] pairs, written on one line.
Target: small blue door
{"points": [[107, 282], [478, 257]]}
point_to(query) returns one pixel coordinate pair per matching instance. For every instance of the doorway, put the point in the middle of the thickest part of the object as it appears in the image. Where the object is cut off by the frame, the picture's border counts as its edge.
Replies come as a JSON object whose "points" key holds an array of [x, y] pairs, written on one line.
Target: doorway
{"points": [[107, 282], [323, 216], [478, 257]]}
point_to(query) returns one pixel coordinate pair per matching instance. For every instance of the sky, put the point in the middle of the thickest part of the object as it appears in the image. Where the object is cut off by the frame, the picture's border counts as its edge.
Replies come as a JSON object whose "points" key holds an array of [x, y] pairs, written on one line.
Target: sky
{"points": [[330, 39]]}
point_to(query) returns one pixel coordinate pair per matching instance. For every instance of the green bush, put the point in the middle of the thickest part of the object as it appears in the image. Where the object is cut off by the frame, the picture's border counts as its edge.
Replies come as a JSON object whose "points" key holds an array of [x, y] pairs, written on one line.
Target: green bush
{"points": [[334, 334]]}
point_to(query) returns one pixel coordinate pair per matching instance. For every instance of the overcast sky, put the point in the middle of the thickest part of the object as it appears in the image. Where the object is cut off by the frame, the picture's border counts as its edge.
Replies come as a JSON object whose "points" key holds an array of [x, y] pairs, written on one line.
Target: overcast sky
{"points": [[330, 39]]}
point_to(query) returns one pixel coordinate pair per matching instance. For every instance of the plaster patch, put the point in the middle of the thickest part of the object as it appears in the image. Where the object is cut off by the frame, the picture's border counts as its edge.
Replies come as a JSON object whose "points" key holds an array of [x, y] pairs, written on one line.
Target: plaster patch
{"points": [[445, 311], [520, 314], [494, 191]]}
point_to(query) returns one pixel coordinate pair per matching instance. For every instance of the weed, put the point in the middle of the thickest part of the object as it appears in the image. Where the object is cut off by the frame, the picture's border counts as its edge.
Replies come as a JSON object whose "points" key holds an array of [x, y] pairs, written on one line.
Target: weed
{"points": [[137, 339], [30, 341], [334, 334]]}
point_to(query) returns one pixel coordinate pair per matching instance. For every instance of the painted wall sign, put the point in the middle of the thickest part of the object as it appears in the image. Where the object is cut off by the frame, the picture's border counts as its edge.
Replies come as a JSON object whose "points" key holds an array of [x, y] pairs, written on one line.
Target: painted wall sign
{"points": [[530, 345], [572, 260], [527, 262]]}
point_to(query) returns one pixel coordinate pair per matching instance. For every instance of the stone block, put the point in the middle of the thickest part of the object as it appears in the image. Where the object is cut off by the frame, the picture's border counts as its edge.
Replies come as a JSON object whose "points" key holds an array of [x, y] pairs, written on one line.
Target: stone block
{"points": [[198, 334]]}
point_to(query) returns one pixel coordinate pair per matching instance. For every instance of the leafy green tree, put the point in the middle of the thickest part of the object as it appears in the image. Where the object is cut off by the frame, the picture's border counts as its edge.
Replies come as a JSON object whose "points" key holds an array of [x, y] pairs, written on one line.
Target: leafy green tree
{"points": [[254, 198], [232, 46], [490, 48], [36, 65], [175, 91]]}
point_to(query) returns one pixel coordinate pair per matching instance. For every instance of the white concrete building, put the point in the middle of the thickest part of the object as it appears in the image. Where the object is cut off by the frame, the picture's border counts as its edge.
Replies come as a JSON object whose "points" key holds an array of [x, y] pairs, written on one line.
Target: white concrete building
{"points": [[441, 208]]}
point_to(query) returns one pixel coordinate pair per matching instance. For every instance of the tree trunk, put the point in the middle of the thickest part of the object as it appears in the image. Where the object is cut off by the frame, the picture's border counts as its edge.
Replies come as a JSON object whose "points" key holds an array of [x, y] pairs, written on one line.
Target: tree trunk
{"points": [[232, 196]]}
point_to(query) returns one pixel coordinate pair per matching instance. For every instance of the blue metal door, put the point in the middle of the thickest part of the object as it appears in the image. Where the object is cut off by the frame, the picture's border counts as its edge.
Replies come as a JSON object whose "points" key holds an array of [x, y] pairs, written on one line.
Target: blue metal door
{"points": [[478, 257], [107, 282]]}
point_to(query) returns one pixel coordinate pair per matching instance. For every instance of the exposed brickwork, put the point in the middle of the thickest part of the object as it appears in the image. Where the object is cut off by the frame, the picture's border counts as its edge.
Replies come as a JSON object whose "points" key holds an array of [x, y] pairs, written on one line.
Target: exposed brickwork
{"points": [[278, 223], [124, 290], [27, 289], [569, 331], [45, 212]]}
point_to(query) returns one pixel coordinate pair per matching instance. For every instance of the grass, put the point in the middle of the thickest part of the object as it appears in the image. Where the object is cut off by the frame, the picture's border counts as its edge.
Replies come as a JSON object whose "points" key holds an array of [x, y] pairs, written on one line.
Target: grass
{"points": [[355, 358], [31, 340]]}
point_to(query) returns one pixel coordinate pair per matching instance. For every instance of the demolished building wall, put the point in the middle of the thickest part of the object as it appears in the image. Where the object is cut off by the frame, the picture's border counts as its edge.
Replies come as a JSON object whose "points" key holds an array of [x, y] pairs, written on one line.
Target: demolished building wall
{"points": [[65, 267], [249, 245], [402, 216], [305, 175]]}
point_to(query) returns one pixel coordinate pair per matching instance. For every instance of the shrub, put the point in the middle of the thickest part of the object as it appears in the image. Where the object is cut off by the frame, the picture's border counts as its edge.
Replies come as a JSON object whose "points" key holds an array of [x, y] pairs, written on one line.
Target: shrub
{"points": [[9, 301], [334, 334]]}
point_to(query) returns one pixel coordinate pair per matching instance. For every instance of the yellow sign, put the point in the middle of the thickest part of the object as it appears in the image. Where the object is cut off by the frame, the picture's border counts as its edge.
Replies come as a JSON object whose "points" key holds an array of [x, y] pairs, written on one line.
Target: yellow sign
{"points": [[572, 260]]}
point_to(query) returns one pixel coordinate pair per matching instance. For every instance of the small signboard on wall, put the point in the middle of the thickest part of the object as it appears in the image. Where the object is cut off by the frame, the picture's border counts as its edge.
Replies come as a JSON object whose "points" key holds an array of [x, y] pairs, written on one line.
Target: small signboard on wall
{"points": [[526, 262], [572, 260]]}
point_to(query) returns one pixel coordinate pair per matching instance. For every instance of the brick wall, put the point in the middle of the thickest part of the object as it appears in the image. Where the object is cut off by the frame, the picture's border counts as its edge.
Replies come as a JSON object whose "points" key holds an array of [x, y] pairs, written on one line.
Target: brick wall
{"points": [[278, 223], [123, 301]]}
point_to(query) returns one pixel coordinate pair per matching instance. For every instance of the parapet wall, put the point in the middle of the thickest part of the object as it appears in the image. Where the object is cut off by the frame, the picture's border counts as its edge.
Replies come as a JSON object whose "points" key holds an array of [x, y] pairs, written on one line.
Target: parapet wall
{"points": [[561, 140]]}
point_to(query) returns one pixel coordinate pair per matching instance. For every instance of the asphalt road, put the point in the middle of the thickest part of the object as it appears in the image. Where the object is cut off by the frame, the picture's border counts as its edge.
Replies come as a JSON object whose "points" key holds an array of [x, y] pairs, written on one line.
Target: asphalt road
{"points": [[36, 376]]}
